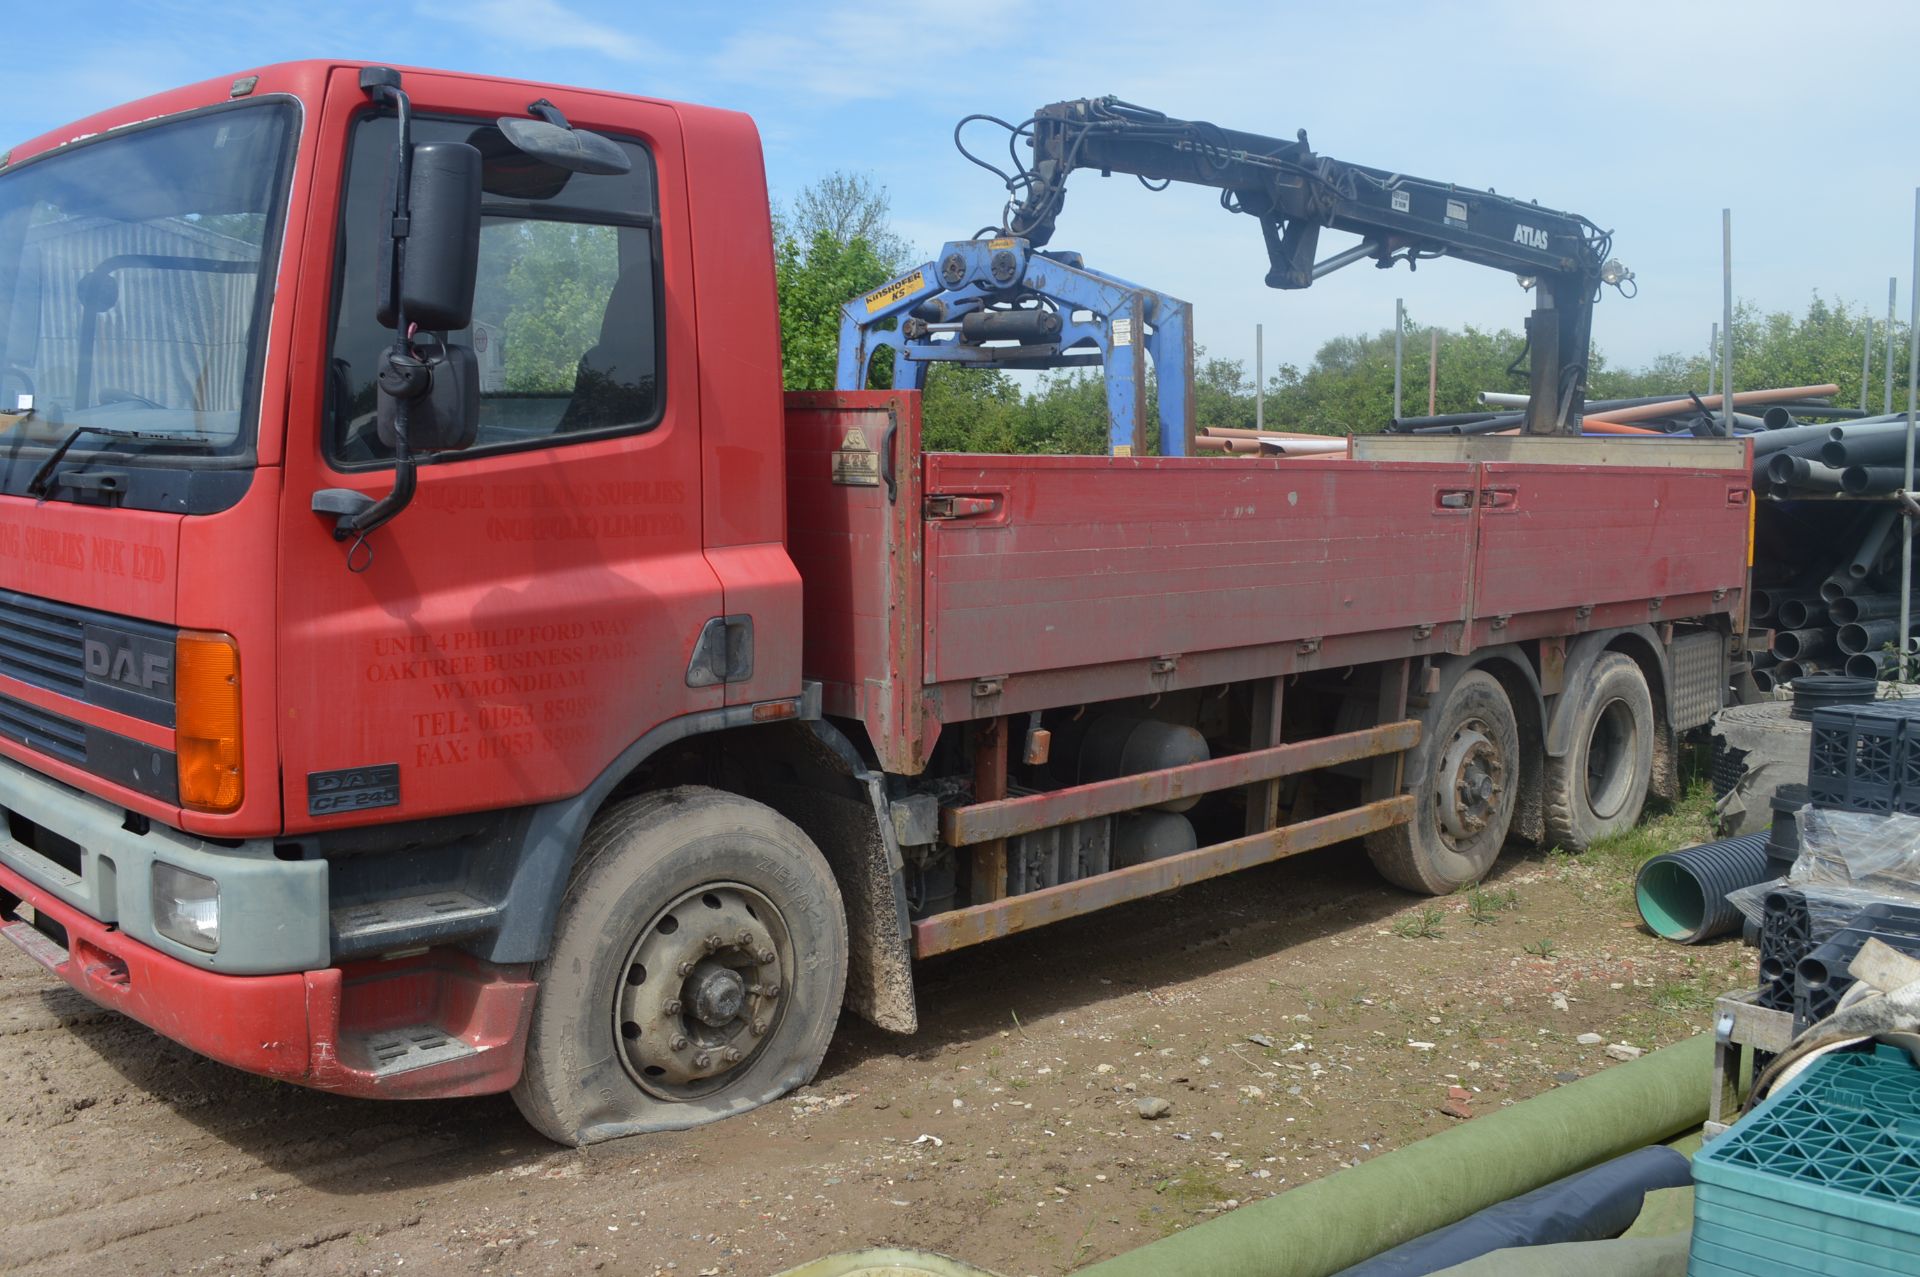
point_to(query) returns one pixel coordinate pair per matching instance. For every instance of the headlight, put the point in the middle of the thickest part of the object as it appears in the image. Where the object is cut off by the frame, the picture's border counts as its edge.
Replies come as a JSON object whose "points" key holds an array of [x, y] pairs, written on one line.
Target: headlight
{"points": [[186, 907]]}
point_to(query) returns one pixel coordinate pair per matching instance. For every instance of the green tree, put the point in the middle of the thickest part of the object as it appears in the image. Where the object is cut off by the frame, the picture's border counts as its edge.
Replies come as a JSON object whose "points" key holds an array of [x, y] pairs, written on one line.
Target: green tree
{"points": [[543, 287], [846, 206], [832, 246], [814, 280]]}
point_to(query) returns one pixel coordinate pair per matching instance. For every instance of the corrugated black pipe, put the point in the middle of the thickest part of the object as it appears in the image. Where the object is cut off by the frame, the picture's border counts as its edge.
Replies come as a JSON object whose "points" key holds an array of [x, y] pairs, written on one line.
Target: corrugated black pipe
{"points": [[1683, 894], [1589, 1206]]}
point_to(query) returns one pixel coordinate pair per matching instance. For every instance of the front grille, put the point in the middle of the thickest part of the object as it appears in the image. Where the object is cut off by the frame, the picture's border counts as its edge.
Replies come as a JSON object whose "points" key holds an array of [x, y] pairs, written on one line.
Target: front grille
{"points": [[37, 729], [41, 644]]}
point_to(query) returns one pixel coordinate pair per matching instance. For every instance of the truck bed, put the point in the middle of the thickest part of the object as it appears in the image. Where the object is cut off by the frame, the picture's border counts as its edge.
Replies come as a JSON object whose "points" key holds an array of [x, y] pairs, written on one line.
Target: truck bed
{"points": [[990, 585]]}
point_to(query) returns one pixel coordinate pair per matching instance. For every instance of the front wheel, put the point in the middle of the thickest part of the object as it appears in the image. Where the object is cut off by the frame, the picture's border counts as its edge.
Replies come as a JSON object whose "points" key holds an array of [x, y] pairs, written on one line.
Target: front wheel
{"points": [[1463, 775], [696, 971]]}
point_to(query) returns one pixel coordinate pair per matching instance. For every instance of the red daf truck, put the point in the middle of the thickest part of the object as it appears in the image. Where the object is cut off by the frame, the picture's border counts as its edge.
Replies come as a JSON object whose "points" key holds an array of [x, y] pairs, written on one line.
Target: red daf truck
{"points": [[409, 687]]}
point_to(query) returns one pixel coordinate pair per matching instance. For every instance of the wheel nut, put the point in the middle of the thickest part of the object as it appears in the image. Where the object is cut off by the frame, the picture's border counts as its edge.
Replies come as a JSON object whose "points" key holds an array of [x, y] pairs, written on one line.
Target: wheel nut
{"points": [[744, 939], [732, 1055], [765, 956], [759, 1028], [702, 1061], [679, 1043], [672, 1007], [685, 969], [772, 990], [715, 944]]}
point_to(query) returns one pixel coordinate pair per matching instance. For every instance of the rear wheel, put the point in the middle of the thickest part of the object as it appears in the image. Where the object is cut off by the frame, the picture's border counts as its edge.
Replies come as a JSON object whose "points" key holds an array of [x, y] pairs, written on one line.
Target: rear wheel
{"points": [[696, 971], [1463, 775], [1599, 786]]}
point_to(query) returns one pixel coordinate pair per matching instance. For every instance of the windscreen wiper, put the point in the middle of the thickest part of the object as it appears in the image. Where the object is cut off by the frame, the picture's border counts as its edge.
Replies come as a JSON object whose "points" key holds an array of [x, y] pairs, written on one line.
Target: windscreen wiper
{"points": [[42, 478]]}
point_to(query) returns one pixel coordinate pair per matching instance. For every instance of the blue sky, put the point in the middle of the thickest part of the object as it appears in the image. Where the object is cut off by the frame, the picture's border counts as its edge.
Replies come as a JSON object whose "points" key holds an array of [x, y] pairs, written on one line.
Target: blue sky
{"points": [[1646, 117]]}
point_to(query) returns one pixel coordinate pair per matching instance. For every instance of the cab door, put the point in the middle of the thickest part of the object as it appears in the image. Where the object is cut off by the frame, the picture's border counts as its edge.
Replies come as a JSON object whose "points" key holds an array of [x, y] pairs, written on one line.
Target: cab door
{"points": [[535, 609]]}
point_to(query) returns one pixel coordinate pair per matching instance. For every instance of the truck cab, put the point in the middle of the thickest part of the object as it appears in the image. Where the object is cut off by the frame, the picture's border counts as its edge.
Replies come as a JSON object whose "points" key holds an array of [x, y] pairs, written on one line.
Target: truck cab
{"points": [[210, 705]]}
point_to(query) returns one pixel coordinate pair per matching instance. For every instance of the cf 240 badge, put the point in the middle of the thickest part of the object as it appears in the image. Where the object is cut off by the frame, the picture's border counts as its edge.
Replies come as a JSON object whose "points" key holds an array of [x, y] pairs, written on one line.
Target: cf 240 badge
{"points": [[353, 789]]}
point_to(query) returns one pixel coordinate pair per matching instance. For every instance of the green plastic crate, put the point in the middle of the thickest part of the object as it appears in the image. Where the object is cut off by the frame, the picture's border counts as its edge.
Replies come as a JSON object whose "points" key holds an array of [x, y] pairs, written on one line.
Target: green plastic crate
{"points": [[1822, 1178]]}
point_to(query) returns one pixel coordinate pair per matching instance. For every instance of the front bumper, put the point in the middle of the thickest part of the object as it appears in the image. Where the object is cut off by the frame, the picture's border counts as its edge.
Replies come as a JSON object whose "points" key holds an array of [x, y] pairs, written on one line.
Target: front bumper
{"points": [[435, 1024], [273, 912]]}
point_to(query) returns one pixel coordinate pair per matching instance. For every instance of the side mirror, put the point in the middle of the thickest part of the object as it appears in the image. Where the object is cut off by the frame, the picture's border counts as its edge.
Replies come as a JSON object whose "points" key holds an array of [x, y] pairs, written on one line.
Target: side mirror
{"points": [[446, 418], [431, 272]]}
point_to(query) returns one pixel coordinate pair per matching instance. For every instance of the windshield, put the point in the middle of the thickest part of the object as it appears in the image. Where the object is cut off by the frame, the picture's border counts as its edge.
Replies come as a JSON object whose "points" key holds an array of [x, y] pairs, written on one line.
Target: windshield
{"points": [[135, 277]]}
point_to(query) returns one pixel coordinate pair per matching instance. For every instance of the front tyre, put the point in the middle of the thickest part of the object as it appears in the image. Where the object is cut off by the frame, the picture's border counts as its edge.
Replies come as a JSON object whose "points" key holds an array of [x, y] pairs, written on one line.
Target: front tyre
{"points": [[696, 971], [1464, 776]]}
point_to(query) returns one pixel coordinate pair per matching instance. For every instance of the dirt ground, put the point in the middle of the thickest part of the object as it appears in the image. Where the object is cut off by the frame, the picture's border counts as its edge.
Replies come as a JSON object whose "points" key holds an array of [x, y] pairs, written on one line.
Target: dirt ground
{"points": [[1298, 1018]]}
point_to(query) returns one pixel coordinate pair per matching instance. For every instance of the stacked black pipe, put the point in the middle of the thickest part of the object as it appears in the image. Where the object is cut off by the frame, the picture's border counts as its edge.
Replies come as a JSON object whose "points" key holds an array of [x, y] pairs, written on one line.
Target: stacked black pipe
{"points": [[1826, 592]]}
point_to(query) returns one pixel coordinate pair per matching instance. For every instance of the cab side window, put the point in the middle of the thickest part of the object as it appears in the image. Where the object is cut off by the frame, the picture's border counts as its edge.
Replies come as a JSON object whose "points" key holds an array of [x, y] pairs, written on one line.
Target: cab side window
{"points": [[565, 316]]}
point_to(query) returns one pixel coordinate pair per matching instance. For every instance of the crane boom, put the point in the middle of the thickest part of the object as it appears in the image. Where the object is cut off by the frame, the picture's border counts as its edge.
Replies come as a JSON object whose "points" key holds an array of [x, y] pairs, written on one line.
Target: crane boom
{"points": [[1296, 194]]}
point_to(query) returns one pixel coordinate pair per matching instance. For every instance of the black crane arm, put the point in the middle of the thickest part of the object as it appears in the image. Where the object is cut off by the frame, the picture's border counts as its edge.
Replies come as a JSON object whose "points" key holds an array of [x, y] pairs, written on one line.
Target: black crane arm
{"points": [[1295, 194]]}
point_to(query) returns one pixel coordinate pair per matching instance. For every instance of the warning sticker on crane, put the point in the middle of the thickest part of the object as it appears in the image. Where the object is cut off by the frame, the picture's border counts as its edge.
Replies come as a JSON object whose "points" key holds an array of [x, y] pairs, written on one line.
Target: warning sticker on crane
{"points": [[1123, 332], [898, 291]]}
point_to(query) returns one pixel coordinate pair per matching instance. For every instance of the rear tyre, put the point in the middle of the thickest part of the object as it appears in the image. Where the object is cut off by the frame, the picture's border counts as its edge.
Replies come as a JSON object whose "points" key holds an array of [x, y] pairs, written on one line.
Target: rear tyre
{"points": [[1463, 775], [696, 972], [1599, 786]]}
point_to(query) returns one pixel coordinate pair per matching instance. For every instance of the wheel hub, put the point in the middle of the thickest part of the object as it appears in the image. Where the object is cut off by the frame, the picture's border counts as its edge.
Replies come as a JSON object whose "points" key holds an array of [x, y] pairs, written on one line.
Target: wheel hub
{"points": [[702, 988], [1468, 785], [715, 994]]}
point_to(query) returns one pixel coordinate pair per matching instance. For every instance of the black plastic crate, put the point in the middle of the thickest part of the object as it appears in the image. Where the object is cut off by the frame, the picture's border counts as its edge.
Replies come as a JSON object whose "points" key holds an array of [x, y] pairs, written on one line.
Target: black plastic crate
{"points": [[1786, 936], [1854, 761], [1821, 978]]}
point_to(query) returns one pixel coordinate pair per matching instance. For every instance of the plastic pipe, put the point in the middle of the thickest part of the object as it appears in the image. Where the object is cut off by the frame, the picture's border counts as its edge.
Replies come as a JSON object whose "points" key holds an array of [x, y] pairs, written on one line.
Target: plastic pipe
{"points": [[1864, 481], [1319, 1228], [1870, 664], [1504, 399], [1788, 470], [1799, 614], [1674, 407], [1594, 1204], [1871, 544], [1797, 645], [1597, 426], [1866, 636], [1683, 894], [1863, 607]]}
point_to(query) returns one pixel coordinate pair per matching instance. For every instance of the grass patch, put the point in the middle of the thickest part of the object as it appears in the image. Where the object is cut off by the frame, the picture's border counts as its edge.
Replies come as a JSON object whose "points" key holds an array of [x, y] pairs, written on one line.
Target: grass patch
{"points": [[1665, 827], [1681, 997], [1427, 924], [1485, 906], [1192, 1190]]}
